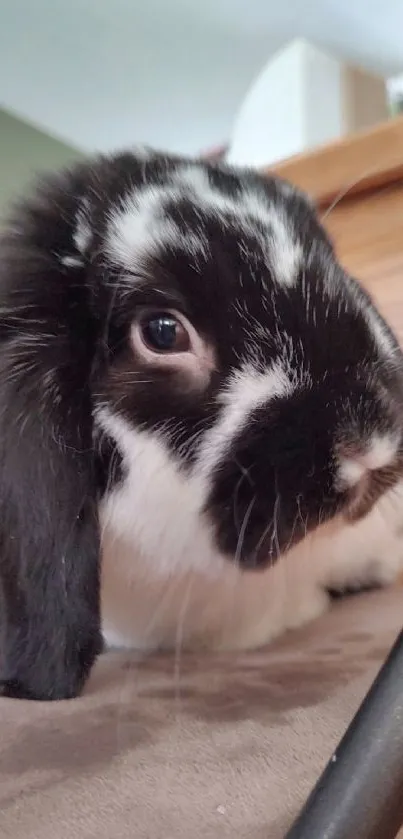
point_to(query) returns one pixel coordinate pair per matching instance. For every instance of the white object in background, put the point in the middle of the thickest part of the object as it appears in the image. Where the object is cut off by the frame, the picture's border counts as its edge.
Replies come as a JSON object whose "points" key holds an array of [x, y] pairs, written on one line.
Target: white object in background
{"points": [[303, 98], [395, 94]]}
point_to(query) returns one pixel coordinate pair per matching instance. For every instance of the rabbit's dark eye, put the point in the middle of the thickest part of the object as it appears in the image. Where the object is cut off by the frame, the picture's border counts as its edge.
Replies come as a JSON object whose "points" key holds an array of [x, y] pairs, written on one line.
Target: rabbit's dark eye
{"points": [[166, 339], [163, 333]]}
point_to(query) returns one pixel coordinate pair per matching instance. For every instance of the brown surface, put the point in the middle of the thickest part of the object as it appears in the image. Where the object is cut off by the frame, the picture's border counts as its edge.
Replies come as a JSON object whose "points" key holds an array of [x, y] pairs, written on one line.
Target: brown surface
{"points": [[365, 160], [229, 746], [226, 749]]}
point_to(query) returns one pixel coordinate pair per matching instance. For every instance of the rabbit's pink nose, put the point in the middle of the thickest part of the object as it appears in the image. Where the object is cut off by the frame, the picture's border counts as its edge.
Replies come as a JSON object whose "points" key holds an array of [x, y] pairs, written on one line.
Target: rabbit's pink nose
{"points": [[365, 473], [379, 454]]}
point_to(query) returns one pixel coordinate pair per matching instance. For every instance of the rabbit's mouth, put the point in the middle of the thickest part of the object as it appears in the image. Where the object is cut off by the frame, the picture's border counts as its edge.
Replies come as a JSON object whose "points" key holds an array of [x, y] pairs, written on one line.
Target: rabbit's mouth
{"points": [[255, 539], [259, 546], [260, 514]]}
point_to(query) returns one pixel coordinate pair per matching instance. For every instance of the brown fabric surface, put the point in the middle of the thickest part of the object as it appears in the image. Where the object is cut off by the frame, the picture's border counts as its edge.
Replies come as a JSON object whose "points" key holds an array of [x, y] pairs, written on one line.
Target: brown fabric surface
{"points": [[210, 747]]}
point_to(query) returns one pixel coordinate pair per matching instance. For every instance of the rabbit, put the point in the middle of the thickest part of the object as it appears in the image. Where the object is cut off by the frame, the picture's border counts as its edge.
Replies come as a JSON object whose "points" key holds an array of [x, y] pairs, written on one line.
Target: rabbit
{"points": [[201, 430]]}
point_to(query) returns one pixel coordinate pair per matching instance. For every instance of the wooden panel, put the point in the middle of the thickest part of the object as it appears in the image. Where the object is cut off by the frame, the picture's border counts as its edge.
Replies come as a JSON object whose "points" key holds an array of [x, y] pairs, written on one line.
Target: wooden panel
{"points": [[354, 164], [368, 234]]}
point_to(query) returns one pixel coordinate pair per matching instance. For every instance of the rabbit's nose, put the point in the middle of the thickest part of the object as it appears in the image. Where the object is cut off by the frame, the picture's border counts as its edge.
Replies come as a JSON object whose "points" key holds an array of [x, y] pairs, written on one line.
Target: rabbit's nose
{"points": [[355, 462], [366, 472]]}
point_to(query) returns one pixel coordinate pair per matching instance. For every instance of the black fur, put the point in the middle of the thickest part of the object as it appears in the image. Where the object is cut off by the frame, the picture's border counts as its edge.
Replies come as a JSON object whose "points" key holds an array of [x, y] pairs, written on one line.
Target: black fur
{"points": [[65, 316], [49, 541]]}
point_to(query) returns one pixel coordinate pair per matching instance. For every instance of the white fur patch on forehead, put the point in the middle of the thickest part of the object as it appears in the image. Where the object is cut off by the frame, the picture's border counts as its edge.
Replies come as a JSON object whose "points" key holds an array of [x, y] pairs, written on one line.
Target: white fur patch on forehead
{"points": [[247, 390], [139, 229], [279, 242]]}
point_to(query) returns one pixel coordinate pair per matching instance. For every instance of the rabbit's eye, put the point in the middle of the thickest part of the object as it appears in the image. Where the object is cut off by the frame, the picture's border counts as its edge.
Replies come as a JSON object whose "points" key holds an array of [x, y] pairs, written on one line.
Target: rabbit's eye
{"points": [[166, 339], [162, 332]]}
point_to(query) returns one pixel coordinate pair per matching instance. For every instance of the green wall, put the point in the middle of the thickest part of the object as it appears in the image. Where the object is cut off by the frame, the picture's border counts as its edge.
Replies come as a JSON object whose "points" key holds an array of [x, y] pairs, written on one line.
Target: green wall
{"points": [[24, 152]]}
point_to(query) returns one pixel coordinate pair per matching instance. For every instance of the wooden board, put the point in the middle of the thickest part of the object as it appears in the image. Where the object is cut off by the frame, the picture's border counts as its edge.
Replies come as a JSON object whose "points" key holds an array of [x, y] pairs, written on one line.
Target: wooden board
{"points": [[355, 164]]}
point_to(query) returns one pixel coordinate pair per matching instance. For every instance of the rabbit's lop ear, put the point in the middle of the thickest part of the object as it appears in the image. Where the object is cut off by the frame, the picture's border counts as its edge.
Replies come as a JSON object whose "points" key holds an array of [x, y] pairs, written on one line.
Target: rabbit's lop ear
{"points": [[49, 535]]}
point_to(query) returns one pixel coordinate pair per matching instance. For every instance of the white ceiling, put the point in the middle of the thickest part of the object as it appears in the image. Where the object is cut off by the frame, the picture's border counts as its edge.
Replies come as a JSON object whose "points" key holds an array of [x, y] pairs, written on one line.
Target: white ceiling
{"points": [[107, 73]]}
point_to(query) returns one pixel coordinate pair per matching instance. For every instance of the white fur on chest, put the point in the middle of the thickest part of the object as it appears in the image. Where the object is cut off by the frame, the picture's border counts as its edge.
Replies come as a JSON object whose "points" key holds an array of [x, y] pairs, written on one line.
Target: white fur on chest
{"points": [[164, 583]]}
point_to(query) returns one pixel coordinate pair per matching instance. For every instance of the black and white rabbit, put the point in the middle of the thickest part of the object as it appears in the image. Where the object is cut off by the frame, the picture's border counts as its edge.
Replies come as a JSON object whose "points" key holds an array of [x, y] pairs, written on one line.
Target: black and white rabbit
{"points": [[201, 426]]}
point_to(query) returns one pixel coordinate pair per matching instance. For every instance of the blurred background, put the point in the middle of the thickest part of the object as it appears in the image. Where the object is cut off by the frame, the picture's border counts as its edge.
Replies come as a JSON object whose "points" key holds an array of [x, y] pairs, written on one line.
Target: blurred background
{"points": [[181, 75]]}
